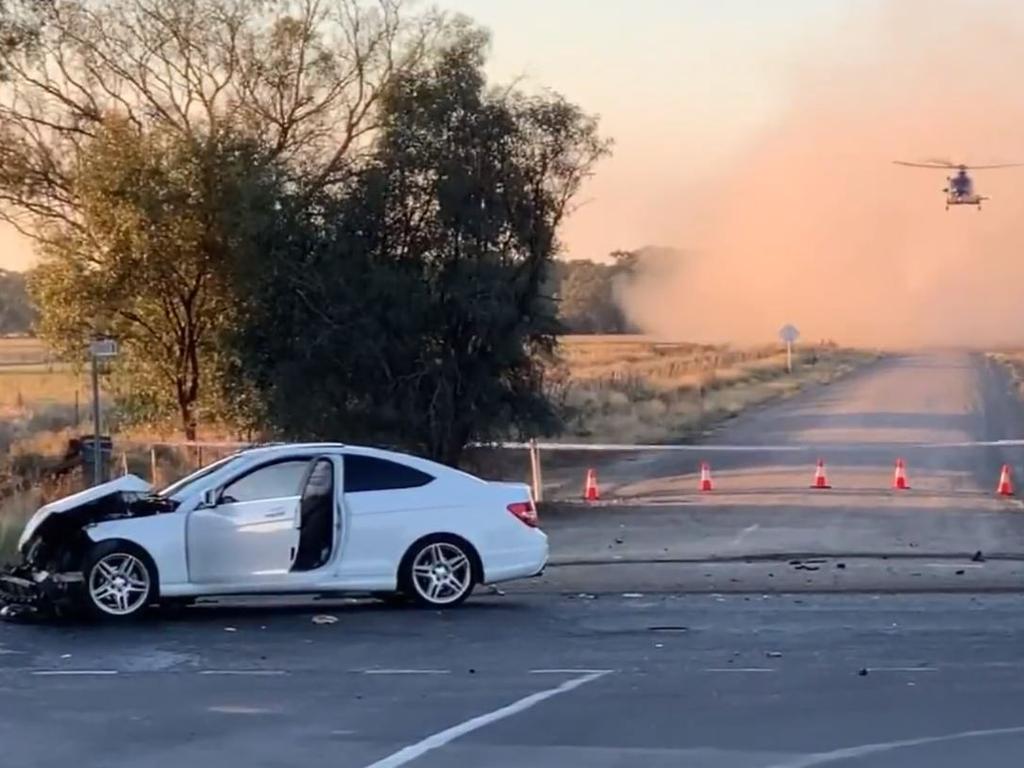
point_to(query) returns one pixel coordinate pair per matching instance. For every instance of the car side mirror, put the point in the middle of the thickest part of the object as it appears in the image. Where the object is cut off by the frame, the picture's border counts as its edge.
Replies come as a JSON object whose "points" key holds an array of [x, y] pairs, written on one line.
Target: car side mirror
{"points": [[209, 498]]}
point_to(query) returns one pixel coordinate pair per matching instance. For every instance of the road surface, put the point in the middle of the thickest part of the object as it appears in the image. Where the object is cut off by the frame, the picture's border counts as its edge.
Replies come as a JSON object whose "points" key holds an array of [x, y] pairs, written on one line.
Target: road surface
{"points": [[763, 505], [529, 680]]}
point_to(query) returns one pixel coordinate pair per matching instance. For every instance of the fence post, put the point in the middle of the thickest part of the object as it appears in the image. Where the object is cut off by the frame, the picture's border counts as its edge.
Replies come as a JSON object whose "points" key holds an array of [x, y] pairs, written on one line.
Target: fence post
{"points": [[535, 471], [152, 465], [199, 457], [540, 474], [124, 462]]}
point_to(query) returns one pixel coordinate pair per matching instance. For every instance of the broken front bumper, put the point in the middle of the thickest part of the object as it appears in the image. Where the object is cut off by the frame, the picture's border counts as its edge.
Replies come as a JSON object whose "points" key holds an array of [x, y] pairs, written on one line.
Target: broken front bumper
{"points": [[26, 587]]}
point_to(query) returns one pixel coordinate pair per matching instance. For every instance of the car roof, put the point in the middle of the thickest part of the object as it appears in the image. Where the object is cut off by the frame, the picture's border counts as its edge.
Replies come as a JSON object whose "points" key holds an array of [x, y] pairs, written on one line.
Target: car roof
{"points": [[411, 459]]}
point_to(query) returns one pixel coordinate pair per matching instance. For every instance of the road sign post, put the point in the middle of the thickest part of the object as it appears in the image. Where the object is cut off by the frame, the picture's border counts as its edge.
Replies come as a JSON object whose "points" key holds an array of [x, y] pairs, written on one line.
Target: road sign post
{"points": [[99, 348], [789, 334]]}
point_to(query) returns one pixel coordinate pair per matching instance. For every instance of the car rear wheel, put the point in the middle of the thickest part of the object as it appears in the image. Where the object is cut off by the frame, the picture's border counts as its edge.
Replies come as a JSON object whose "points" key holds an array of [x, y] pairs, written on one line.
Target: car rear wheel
{"points": [[439, 572], [119, 581]]}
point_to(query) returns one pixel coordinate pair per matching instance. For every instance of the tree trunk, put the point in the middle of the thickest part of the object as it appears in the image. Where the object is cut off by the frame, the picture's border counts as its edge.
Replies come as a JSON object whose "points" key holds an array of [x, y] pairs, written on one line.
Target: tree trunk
{"points": [[188, 419]]}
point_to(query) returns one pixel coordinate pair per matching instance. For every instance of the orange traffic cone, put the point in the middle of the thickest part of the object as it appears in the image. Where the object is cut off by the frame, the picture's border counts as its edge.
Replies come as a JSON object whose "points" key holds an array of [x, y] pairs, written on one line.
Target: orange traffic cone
{"points": [[1005, 487], [590, 492], [820, 481], [899, 480], [705, 477]]}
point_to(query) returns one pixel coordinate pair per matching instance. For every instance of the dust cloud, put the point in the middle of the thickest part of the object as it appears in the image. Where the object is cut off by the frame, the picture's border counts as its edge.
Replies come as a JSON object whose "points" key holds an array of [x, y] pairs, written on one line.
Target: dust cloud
{"points": [[814, 225]]}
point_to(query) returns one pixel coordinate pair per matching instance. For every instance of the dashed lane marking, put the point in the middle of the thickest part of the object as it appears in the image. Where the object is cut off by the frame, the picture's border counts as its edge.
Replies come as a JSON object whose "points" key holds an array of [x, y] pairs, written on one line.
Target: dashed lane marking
{"points": [[569, 671], [740, 669], [405, 671], [73, 672], [251, 672]]}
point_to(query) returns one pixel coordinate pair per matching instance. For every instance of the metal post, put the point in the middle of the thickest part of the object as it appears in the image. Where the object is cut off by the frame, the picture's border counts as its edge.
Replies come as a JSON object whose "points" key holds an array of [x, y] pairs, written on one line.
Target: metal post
{"points": [[124, 462], [535, 471], [152, 466], [96, 472], [540, 476], [789, 356]]}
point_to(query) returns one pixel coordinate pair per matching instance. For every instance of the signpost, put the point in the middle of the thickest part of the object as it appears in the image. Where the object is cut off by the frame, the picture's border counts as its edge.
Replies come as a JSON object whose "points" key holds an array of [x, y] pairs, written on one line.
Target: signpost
{"points": [[789, 334], [99, 348]]}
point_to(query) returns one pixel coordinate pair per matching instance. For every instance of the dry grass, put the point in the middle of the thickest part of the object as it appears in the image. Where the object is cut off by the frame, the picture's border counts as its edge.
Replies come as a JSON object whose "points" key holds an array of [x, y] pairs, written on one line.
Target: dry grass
{"points": [[637, 390], [1013, 361]]}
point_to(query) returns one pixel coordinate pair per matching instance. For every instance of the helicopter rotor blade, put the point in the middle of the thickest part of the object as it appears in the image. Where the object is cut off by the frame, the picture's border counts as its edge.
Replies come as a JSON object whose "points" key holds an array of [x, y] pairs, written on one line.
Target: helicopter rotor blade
{"points": [[946, 166], [997, 165], [943, 161]]}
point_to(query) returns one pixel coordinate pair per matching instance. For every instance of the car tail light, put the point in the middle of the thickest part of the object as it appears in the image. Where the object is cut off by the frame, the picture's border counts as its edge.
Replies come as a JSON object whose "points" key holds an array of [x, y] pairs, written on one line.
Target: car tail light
{"points": [[525, 511]]}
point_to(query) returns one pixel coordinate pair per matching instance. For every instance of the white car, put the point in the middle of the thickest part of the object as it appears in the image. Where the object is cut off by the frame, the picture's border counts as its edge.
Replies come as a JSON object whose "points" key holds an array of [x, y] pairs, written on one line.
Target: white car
{"points": [[308, 518]]}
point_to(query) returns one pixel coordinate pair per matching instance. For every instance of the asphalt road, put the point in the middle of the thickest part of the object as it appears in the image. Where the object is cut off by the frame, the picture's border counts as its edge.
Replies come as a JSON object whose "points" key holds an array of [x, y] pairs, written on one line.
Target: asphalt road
{"points": [[763, 506], [529, 680]]}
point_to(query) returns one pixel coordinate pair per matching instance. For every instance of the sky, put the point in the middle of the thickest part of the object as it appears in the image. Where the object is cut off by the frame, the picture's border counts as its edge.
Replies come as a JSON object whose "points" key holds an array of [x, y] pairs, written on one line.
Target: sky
{"points": [[680, 85]]}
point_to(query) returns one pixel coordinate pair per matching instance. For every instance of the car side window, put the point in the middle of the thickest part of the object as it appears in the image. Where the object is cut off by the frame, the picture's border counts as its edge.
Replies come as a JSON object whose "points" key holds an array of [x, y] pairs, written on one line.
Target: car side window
{"points": [[367, 473], [273, 481]]}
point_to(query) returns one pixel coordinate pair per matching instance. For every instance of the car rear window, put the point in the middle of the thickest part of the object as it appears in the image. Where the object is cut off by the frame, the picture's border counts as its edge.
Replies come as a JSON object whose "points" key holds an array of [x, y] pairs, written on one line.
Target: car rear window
{"points": [[366, 473]]}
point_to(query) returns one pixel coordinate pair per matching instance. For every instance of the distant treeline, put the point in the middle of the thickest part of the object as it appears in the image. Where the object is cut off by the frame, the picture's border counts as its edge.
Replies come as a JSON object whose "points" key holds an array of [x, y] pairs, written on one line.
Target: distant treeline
{"points": [[16, 311], [589, 293]]}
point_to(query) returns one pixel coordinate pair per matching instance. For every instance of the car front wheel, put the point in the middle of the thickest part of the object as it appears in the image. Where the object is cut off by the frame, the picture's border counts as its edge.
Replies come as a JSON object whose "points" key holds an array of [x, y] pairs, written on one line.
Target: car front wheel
{"points": [[119, 581], [439, 572]]}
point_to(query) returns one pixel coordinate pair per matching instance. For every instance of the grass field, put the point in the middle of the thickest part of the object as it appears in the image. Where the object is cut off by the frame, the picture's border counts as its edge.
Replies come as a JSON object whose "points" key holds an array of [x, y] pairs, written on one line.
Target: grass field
{"points": [[632, 389]]}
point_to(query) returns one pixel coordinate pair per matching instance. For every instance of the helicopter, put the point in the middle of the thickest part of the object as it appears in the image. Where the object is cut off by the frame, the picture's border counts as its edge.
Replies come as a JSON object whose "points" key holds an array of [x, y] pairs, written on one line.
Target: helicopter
{"points": [[961, 186]]}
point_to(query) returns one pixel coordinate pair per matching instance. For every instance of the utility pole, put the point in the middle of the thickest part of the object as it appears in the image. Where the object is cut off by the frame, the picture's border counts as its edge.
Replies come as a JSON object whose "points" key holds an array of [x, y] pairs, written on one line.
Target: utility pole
{"points": [[97, 349]]}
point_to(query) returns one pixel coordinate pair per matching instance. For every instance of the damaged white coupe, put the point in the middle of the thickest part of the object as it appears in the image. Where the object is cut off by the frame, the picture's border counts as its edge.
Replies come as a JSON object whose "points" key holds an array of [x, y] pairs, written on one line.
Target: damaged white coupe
{"points": [[284, 519]]}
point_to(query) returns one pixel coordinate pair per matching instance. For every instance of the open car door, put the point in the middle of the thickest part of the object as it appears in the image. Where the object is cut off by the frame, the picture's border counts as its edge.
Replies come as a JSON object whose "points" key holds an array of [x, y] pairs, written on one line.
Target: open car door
{"points": [[318, 515]]}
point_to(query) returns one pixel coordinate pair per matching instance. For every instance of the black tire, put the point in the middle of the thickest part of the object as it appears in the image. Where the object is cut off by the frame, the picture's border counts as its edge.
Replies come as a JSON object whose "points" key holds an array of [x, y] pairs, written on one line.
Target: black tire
{"points": [[139, 585], [468, 572]]}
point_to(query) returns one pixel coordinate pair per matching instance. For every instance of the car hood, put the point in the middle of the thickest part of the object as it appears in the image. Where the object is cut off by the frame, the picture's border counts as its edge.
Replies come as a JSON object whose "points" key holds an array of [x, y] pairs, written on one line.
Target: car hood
{"points": [[125, 484]]}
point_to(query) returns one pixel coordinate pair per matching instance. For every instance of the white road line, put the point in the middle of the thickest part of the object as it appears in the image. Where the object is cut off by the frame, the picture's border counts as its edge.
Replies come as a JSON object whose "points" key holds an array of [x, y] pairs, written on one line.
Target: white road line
{"points": [[569, 671], [902, 669], [739, 669], [413, 751], [73, 672], [406, 671], [254, 672], [850, 753]]}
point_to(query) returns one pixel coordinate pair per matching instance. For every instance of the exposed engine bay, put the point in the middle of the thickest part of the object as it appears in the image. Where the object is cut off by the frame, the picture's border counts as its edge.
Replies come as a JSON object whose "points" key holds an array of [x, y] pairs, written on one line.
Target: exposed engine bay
{"points": [[55, 541]]}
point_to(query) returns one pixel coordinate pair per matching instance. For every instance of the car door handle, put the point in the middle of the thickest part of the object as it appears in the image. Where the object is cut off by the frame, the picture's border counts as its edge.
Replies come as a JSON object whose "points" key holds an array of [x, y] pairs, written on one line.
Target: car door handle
{"points": [[275, 513]]}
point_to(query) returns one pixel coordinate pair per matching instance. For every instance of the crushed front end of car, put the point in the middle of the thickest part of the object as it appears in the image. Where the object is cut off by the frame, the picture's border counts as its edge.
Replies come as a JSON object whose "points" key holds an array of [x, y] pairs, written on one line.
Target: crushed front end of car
{"points": [[48, 577]]}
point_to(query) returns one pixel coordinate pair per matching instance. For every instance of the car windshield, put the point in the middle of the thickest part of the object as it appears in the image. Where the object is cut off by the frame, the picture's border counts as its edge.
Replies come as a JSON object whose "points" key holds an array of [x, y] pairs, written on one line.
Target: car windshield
{"points": [[177, 487]]}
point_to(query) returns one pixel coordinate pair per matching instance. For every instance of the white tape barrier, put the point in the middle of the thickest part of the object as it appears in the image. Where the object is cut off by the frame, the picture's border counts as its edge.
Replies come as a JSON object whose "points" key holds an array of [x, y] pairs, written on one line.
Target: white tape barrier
{"points": [[708, 448]]}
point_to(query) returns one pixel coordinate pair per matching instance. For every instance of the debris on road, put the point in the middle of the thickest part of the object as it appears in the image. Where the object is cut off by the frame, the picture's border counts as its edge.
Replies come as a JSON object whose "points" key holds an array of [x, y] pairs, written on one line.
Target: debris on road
{"points": [[325, 618], [960, 572], [863, 672], [492, 589], [978, 557], [841, 566], [230, 629], [773, 654]]}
